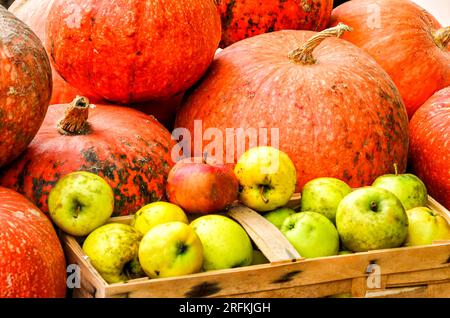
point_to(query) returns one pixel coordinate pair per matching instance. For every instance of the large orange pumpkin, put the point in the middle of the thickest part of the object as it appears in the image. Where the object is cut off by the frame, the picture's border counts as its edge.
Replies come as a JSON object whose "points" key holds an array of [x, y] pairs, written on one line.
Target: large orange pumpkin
{"points": [[430, 145], [131, 150], [132, 51], [34, 13], [25, 86], [31, 259], [338, 113], [408, 42], [246, 18]]}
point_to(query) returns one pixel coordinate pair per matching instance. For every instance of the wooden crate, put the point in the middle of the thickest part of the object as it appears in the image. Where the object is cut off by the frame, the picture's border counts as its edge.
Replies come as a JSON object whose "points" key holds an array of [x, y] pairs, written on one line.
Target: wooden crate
{"points": [[422, 271]]}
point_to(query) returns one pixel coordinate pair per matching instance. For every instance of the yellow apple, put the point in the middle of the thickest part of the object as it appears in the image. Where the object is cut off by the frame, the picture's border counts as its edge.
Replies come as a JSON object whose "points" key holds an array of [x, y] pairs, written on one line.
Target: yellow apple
{"points": [[267, 177], [171, 249], [426, 226], [225, 242], [157, 213]]}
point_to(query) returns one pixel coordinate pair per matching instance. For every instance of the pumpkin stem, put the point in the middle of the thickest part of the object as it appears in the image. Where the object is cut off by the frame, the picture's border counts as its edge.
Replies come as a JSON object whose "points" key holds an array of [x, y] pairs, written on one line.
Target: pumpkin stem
{"points": [[75, 118], [442, 37], [304, 54]]}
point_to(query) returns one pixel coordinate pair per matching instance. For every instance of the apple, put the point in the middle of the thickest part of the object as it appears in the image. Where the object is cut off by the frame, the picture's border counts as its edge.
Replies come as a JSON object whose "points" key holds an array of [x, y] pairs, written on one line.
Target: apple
{"points": [[426, 226], [312, 234], [80, 202], [113, 251], [171, 249], [259, 258], [411, 191], [157, 213], [323, 195], [225, 242], [278, 216], [345, 252], [371, 218], [267, 177], [200, 185]]}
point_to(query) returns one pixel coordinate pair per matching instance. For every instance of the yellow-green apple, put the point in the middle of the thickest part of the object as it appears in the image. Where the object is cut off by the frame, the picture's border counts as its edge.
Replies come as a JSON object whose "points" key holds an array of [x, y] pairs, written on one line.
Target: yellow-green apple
{"points": [[113, 251], [312, 234], [426, 226], [371, 218], [80, 202], [345, 252], [259, 258], [200, 185], [267, 177], [323, 195], [157, 213], [225, 242], [411, 191], [171, 249], [277, 217]]}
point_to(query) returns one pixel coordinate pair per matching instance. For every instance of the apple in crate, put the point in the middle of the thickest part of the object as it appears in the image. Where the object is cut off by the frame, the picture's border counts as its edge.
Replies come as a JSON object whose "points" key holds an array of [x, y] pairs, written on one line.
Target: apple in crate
{"points": [[113, 251], [267, 177], [312, 234], [371, 218], [225, 242], [426, 226], [171, 249], [157, 213], [323, 195], [80, 202], [411, 191], [200, 185], [277, 217]]}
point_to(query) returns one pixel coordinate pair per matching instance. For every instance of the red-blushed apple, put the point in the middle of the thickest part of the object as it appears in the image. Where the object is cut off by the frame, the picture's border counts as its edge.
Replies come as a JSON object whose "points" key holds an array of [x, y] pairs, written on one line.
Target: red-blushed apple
{"points": [[200, 185]]}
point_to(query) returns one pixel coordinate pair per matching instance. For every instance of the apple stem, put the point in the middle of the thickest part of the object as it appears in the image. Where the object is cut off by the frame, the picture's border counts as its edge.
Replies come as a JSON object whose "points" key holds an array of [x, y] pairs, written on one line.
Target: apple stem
{"points": [[396, 169], [261, 191], [75, 118], [373, 206]]}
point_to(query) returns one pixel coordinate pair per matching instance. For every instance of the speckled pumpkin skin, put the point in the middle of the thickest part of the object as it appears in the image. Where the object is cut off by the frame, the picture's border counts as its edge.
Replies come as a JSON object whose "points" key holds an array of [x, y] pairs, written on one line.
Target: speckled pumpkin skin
{"points": [[34, 13], [132, 51], [341, 117], [430, 145], [25, 86], [242, 19], [131, 150], [401, 43], [32, 261]]}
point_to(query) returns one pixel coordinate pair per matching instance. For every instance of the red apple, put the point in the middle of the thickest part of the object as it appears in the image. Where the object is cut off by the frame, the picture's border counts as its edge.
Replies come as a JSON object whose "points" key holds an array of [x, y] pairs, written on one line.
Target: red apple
{"points": [[202, 186]]}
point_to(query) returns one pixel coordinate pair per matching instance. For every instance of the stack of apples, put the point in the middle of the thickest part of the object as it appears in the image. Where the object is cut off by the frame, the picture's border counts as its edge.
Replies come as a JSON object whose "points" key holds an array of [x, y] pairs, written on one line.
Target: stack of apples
{"points": [[191, 234]]}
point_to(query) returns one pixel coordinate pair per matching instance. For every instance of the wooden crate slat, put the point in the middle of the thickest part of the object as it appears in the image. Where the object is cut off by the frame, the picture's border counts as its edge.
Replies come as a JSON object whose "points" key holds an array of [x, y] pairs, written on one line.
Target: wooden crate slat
{"points": [[419, 277]]}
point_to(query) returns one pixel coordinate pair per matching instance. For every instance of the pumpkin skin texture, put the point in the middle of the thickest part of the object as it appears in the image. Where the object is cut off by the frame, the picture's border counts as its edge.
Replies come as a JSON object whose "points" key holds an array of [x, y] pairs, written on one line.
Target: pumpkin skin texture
{"points": [[403, 45], [430, 147], [25, 86], [242, 19], [34, 13], [341, 117], [129, 149], [132, 51], [32, 261]]}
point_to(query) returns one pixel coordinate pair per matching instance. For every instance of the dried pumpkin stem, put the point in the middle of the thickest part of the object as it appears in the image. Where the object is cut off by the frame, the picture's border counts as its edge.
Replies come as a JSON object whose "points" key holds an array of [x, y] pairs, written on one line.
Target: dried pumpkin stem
{"points": [[75, 118], [442, 37], [304, 54]]}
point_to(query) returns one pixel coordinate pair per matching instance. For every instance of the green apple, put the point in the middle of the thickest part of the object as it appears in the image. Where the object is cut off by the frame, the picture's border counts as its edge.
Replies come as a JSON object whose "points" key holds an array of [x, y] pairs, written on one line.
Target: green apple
{"points": [[267, 177], [157, 213], [345, 252], [323, 195], [371, 218], [80, 202], [225, 242], [259, 258], [411, 191], [312, 234], [171, 249], [426, 226], [278, 216], [113, 251]]}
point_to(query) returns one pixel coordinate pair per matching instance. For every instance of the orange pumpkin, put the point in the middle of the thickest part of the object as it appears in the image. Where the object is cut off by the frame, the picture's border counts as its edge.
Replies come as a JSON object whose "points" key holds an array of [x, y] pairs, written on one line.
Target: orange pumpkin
{"points": [[407, 41]]}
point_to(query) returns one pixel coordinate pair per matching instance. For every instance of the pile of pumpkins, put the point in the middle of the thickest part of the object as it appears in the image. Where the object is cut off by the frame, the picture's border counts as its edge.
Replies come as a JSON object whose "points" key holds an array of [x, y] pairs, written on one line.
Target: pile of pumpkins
{"points": [[347, 107]]}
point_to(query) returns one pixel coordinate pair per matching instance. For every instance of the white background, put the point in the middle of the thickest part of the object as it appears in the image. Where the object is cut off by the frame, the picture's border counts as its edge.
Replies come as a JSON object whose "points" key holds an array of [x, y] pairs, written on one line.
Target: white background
{"points": [[439, 8]]}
